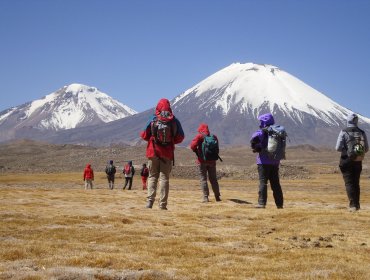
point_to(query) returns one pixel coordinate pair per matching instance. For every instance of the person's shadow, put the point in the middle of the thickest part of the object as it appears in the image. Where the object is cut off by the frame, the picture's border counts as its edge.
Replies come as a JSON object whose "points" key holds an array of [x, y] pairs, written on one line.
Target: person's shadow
{"points": [[239, 201]]}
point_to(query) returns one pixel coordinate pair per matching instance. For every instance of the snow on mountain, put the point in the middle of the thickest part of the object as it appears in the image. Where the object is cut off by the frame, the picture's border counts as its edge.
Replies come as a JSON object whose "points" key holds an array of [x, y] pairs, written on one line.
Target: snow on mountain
{"points": [[72, 106], [75, 105], [258, 87]]}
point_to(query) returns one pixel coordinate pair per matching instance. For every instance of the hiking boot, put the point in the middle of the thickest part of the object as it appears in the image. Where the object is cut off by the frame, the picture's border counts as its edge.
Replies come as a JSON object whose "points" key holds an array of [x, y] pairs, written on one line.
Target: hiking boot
{"points": [[163, 208], [149, 204], [279, 207], [218, 198], [261, 206], [353, 209], [205, 199]]}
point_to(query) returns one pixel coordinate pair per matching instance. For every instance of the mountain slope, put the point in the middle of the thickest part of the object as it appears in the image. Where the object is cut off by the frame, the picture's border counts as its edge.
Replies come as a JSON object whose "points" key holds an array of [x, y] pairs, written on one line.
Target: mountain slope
{"points": [[70, 107], [230, 101], [254, 88]]}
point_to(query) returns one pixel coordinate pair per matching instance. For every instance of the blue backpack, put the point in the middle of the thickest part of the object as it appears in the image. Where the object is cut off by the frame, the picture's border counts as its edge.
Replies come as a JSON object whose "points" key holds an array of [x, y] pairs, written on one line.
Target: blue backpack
{"points": [[210, 148], [276, 142]]}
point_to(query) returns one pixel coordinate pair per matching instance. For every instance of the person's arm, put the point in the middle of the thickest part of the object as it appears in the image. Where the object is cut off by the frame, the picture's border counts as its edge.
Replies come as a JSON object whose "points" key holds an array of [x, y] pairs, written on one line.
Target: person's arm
{"points": [[146, 133], [340, 142], [195, 142], [255, 141], [366, 143], [180, 136]]}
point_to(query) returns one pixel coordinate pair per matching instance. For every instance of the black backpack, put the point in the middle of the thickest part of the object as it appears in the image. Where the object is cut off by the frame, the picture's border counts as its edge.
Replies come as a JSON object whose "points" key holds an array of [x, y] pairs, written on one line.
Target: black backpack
{"points": [[110, 170], [163, 132]]}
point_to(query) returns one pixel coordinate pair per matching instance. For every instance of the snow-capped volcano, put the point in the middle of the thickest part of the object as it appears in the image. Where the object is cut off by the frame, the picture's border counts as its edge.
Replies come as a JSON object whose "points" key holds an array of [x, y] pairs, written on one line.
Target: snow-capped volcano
{"points": [[256, 88], [231, 100], [72, 106]]}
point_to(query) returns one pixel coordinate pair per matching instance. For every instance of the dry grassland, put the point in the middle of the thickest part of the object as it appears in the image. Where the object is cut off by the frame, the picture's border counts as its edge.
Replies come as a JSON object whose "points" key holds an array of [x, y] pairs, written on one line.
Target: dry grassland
{"points": [[51, 228]]}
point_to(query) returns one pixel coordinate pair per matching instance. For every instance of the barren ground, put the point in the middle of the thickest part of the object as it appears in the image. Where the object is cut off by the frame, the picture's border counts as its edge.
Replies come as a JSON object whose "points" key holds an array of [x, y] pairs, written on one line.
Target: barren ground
{"points": [[51, 228]]}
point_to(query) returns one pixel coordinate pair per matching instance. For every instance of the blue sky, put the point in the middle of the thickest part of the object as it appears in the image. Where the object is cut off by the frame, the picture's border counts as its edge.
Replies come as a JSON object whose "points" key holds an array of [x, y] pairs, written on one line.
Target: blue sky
{"points": [[138, 51]]}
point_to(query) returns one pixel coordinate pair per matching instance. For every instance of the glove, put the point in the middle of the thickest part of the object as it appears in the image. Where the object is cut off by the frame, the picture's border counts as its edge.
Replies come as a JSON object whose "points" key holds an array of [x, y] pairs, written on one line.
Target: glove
{"points": [[256, 150]]}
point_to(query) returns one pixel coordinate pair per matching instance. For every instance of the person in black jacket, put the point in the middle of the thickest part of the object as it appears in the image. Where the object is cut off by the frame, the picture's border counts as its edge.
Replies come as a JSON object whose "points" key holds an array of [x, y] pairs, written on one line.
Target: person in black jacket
{"points": [[110, 170]]}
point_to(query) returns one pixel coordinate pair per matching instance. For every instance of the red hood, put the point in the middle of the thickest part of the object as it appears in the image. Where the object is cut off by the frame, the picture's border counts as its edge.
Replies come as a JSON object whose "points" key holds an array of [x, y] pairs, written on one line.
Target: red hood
{"points": [[163, 110], [88, 165], [203, 128]]}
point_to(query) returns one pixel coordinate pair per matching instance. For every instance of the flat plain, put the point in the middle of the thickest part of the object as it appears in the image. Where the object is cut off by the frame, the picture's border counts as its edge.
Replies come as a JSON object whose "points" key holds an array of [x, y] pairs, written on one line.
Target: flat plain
{"points": [[51, 228]]}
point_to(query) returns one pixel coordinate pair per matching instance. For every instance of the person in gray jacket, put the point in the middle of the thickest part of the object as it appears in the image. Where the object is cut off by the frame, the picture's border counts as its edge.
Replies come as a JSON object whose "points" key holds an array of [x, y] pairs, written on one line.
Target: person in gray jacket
{"points": [[352, 143]]}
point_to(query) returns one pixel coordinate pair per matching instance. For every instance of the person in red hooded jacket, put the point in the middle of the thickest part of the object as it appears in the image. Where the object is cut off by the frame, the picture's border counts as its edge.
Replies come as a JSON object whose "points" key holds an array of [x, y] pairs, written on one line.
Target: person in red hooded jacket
{"points": [[161, 132], [205, 166], [88, 176]]}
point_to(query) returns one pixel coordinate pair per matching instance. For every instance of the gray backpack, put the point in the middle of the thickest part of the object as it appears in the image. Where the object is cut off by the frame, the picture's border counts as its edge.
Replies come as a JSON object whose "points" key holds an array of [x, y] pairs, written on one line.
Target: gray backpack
{"points": [[276, 141], [355, 145]]}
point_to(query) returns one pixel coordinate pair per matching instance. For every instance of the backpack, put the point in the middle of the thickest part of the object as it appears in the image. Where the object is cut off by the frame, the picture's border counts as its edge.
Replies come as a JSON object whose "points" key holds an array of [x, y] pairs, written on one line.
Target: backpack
{"points": [[276, 141], [110, 170], [127, 169], [163, 131], [355, 144], [145, 172], [210, 148]]}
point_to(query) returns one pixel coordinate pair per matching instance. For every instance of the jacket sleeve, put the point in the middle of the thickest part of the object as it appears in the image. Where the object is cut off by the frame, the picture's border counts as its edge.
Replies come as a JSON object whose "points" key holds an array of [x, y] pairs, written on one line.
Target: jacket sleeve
{"points": [[179, 137], [146, 133], [366, 143], [256, 142], [92, 174], [340, 142], [195, 142]]}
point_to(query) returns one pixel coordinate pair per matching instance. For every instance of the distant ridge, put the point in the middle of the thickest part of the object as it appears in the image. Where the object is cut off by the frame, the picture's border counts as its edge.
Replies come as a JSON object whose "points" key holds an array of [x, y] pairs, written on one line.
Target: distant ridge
{"points": [[230, 101], [72, 106]]}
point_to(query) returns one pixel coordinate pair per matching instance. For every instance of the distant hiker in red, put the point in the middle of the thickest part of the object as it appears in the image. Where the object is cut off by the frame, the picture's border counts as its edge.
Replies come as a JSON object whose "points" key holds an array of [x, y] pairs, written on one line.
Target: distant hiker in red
{"points": [[129, 172], [144, 175], [205, 145], [162, 132], [88, 176]]}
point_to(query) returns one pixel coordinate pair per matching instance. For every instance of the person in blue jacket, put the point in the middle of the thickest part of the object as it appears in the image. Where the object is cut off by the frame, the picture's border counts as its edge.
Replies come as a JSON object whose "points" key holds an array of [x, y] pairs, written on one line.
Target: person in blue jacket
{"points": [[268, 169]]}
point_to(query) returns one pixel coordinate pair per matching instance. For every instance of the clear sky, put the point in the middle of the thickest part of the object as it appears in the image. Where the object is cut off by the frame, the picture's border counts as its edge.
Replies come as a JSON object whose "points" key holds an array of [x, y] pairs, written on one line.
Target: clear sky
{"points": [[138, 51]]}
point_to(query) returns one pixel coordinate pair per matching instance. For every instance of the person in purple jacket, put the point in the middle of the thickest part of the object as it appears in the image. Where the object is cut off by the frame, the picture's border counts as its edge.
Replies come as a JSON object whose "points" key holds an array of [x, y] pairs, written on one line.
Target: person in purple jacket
{"points": [[268, 169]]}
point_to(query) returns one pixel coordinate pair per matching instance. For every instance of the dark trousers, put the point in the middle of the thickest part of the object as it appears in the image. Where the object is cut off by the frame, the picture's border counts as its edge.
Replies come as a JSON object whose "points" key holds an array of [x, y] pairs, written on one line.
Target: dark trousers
{"points": [[110, 181], [128, 180], [351, 174], [269, 172], [209, 168]]}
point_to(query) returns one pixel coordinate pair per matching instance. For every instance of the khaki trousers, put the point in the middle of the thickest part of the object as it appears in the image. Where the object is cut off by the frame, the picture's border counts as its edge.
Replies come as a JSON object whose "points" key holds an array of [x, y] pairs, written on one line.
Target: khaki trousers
{"points": [[159, 169], [88, 184]]}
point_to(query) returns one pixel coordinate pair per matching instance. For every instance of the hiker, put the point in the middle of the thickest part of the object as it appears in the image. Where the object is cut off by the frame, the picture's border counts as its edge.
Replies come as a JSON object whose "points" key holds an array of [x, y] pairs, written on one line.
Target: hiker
{"points": [[206, 161], [162, 132], [144, 176], [267, 165], [129, 172], [110, 170], [88, 176], [352, 143]]}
